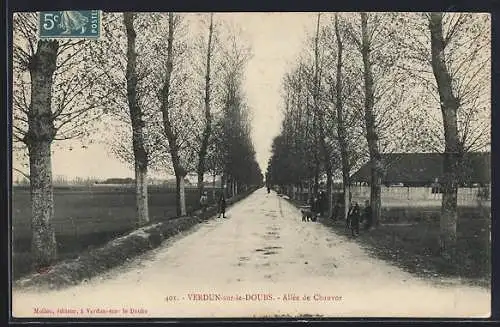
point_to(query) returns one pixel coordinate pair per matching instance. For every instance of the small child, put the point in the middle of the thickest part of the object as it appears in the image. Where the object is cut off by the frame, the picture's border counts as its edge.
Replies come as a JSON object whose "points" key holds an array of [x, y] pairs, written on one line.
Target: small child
{"points": [[222, 206], [204, 201]]}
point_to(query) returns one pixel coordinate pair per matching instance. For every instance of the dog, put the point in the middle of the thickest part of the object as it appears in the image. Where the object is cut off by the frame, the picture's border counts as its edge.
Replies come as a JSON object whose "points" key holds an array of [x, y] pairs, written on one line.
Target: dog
{"points": [[307, 214]]}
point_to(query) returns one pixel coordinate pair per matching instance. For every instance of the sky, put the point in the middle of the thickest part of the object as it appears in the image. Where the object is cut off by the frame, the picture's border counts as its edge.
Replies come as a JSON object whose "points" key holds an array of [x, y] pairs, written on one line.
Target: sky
{"points": [[276, 40]]}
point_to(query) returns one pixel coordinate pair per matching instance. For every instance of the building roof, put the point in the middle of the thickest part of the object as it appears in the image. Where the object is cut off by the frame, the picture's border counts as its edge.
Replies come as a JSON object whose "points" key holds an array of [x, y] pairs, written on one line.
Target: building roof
{"points": [[425, 167]]}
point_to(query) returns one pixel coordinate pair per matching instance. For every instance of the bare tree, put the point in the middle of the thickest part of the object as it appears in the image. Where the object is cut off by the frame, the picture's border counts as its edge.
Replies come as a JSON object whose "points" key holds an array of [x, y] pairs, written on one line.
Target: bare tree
{"points": [[450, 100], [447, 58], [371, 133], [170, 133], [55, 99], [126, 55], [341, 129], [208, 115], [138, 143], [382, 90]]}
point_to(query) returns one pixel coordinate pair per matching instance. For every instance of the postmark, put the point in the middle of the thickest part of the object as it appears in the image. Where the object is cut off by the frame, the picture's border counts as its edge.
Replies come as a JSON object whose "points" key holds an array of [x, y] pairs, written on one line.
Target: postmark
{"points": [[70, 24]]}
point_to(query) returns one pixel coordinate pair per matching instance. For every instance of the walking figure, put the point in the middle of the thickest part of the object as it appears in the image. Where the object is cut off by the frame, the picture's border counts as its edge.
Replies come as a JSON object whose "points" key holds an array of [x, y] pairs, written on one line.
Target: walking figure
{"points": [[354, 217], [222, 206], [204, 201], [435, 188], [322, 203], [315, 208]]}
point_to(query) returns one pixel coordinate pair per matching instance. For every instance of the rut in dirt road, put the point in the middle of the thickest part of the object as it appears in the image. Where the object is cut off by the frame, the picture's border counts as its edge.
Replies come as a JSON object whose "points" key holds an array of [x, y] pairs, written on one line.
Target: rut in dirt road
{"points": [[262, 261]]}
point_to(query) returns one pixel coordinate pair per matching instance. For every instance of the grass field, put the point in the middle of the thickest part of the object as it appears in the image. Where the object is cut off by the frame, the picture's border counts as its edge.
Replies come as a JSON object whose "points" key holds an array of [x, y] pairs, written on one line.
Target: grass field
{"points": [[88, 216]]}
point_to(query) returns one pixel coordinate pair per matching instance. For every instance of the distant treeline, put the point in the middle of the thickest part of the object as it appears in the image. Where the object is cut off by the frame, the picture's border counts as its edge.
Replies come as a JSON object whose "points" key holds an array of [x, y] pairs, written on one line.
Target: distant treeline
{"points": [[117, 181]]}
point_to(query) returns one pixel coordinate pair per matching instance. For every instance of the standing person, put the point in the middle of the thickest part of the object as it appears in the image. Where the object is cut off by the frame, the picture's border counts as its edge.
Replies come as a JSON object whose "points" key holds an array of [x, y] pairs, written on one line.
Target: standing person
{"points": [[204, 201], [435, 188], [315, 207], [268, 189], [355, 216], [322, 203], [367, 215], [222, 206]]}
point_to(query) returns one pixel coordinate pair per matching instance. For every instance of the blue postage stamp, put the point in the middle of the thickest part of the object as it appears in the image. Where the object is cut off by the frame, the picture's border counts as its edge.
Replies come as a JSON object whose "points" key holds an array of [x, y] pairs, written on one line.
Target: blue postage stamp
{"points": [[70, 24]]}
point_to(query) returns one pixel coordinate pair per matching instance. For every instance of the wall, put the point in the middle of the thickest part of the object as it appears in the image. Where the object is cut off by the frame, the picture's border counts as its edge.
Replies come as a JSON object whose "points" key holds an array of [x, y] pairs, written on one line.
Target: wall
{"points": [[405, 196], [414, 196]]}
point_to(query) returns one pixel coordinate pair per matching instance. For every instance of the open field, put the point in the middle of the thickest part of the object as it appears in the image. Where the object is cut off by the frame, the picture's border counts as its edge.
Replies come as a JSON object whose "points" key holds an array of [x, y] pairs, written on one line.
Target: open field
{"points": [[88, 216]]}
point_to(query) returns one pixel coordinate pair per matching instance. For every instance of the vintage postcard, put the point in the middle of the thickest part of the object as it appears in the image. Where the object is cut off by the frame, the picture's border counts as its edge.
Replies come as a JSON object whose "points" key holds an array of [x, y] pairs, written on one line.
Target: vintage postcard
{"points": [[251, 165]]}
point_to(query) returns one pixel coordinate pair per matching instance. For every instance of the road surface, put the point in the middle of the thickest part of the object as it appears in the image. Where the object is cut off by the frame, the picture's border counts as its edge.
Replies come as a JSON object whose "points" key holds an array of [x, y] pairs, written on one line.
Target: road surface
{"points": [[260, 261]]}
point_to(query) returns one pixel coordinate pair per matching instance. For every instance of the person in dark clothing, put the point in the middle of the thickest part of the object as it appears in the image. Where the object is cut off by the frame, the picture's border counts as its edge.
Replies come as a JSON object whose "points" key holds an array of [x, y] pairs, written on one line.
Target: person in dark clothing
{"points": [[315, 207], [268, 189], [322, 203], [354, 219], [204, 201], [222, 206], [367, 215]]}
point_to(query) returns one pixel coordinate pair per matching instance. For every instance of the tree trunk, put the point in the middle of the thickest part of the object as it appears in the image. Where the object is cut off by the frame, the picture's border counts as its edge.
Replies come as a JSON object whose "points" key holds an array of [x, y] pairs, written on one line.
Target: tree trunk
{"points": [[317, 116], [179, 171], [41, 133], [141, 193], [213, 188], [341, 129], [371, 133], [208, 117], [329, 192], [181, 194], [43, 241], [138, 144], [347, 197], [222, 185], [452, 156]]}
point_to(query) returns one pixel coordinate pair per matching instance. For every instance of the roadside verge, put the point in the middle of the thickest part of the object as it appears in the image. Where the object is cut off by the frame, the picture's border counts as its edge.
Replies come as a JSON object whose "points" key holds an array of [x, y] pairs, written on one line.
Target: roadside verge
{"points": [[118, 251]]}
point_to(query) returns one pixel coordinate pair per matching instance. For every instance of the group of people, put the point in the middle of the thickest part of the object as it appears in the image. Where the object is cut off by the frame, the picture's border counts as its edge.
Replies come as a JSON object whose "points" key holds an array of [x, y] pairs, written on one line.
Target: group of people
{"points": [[221, 204], [355, 217], [318, 204]]}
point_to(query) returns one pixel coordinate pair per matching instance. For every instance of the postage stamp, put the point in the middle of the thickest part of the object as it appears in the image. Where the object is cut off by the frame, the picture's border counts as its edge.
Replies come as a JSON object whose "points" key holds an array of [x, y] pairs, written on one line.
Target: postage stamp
{"points": [[70, 24]]}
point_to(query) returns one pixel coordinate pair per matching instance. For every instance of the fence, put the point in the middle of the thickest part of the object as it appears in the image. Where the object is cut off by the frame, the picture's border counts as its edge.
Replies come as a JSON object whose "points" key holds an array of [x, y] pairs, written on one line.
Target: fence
{"points": [[397, 196], [414, 196]]}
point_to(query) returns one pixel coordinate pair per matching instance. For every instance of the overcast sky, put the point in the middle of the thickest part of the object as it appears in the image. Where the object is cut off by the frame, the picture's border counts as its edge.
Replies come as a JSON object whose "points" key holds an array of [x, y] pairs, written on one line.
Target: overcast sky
{"points": [[276, 40]]}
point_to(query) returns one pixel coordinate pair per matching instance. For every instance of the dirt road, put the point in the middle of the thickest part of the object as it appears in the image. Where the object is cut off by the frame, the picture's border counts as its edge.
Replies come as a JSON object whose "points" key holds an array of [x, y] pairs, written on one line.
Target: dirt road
{"points": [[260, 261]]}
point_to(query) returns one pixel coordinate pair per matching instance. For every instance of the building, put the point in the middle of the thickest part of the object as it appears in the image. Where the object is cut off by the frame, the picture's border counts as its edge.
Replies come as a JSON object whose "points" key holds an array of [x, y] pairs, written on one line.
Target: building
{"points": [[422, 169]]}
